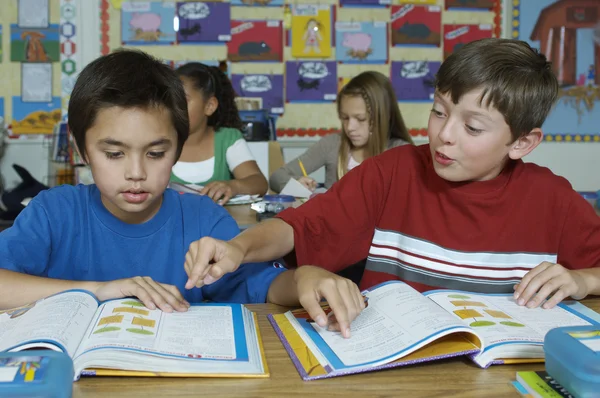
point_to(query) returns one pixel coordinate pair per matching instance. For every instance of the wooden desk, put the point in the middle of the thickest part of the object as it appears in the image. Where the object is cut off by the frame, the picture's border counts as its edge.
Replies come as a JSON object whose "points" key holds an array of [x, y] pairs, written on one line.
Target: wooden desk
{"points": [[455, 377]]}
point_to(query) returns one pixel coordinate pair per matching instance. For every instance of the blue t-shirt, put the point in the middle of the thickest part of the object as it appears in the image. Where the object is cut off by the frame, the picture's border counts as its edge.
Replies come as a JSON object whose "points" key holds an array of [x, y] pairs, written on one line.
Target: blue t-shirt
{"points": [[67, 233]]}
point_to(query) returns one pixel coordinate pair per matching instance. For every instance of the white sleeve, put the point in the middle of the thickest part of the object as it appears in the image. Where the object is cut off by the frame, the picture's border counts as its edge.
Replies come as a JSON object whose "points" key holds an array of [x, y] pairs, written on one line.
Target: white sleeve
{"points": [[238, 153]]}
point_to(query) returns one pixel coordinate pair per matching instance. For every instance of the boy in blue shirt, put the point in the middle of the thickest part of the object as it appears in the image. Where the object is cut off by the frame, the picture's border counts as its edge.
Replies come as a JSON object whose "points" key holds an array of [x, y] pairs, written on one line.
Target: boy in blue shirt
{"points": [[126, 235]]}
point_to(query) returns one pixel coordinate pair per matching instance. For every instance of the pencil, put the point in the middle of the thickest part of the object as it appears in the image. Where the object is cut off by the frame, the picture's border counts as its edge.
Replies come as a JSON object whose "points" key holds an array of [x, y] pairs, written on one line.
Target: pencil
{"points": [[302, 168]]}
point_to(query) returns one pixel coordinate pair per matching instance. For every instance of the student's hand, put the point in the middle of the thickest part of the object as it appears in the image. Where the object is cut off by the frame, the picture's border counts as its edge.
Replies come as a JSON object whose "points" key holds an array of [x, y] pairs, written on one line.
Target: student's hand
{"points": [[308, 183], [550, 279], [151, 293], [342, 295], [208, 259], [219, 191]]}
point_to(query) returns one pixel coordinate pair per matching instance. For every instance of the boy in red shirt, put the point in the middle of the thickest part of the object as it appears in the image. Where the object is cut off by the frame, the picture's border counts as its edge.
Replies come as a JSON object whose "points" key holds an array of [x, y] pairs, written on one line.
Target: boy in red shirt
{"points": [[461, 212]]}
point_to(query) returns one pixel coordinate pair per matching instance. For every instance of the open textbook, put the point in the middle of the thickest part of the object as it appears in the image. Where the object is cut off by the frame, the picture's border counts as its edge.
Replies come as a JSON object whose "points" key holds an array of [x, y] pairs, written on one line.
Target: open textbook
{"points": [[196, 189], [401, 326], [123, 337]]}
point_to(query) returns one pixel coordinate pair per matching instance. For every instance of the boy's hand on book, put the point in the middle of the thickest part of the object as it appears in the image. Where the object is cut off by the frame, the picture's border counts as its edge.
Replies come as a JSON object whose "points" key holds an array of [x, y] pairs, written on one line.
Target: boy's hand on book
{"points": [[208, 259], [342, 295], [550, 279], [153, 294]]}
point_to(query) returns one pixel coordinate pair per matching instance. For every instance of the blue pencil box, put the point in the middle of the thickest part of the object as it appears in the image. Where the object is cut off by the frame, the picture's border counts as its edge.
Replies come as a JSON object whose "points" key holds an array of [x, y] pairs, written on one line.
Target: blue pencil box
{"points": [[573, 359], [36, 373]]}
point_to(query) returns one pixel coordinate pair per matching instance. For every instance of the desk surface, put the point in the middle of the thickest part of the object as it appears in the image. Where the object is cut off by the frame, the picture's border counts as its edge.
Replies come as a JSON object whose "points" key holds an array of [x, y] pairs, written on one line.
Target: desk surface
{"points": [[455, 377]]}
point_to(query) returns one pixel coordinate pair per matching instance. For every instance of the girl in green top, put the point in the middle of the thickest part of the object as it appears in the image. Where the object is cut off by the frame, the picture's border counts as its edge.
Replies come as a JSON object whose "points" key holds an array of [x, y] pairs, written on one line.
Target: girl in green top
{"points": [[215, 155]]}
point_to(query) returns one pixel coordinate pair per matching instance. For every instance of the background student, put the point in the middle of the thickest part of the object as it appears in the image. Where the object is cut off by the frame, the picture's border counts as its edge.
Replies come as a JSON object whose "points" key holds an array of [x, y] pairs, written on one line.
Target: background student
{"points": [[371, 124], [215, 155]]}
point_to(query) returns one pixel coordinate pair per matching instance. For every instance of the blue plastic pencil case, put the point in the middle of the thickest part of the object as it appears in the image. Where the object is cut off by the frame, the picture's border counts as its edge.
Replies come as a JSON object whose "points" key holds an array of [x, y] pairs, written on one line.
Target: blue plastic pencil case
{"points": [[573, 359], [36, 373]]}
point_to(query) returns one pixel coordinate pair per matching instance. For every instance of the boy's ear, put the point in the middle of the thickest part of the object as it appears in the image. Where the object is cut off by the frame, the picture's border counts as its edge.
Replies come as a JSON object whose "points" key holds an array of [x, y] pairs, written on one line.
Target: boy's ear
{"points": [[211, 106], [527, 143]]}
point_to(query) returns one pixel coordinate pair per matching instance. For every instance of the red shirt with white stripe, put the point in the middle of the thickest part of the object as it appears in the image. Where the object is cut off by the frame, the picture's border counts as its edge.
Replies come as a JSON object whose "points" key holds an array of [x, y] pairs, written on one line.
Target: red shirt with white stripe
{"points": [[413, 225]]}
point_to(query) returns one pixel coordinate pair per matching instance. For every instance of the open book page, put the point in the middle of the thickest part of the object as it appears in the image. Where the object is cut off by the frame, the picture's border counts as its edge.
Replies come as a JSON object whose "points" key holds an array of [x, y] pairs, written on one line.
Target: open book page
{"points": [[56, 322], [207, 331], [498, 319], [397, 321]]}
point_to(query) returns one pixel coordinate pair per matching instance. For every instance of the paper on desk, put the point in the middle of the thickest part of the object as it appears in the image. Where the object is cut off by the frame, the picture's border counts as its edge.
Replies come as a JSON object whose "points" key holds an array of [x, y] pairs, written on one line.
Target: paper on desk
{"points": [[295, 189], [195, 189]]}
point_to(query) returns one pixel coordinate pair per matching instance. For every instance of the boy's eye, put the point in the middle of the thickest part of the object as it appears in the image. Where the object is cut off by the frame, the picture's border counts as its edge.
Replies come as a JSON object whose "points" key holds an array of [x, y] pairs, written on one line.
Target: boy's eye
{"points": [[437, 113], [112, 155], [473, 130], [156, 155]]}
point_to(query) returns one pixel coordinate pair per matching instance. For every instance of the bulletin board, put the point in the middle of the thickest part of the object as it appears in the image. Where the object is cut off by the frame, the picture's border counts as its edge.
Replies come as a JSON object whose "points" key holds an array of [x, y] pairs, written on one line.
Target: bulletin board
{"points": [[31, 91], [564, 31], [296, 55]]}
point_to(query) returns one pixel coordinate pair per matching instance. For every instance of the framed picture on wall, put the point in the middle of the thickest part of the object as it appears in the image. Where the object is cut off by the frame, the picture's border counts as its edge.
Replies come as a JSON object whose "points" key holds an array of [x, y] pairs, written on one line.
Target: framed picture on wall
{"points": [[255, 41], [568, 34], [268, 87], [415, 25], [311, 81], [192, 24], [147, 23], [361, 42]]}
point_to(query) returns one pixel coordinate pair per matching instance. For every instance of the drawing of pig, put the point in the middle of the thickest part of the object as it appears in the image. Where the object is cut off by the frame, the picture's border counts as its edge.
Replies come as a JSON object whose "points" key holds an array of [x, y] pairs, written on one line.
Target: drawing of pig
{"points": [[357, 41], [145, 22]]}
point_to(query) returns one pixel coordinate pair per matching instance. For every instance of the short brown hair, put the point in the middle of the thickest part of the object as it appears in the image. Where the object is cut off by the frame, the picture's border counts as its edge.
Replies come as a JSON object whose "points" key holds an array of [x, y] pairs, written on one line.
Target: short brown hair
{"points": [[516, 79], [385, 119], [127, 79]]}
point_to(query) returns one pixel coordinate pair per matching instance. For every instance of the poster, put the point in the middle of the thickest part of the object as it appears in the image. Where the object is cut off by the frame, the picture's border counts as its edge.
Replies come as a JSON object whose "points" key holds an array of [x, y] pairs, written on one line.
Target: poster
{"points": [[265, 86], [361, 42], [470, 5], [34, 45], [456, 36], [36, 82], [257, 3], [415, 25], [193, 26], [35, 117], [311, 81], [575, 58], [414, 80], [33, 14], [311, 31], [147, 23], [255, 41]]}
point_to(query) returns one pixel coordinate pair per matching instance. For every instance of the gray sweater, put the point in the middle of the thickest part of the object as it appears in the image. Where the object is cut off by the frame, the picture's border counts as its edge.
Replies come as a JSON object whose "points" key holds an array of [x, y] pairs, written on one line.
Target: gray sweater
{"points": [[322, 153]]}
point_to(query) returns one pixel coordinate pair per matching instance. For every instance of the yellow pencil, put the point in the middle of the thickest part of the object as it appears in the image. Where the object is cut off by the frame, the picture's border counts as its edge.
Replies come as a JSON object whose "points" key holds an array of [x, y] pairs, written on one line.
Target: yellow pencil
{"points": [[302, 168]]}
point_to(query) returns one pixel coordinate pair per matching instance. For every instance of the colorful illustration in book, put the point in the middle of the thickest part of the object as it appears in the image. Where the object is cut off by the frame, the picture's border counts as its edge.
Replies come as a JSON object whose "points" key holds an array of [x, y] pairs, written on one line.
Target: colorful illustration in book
{"points": [[263, 3], [34, 117], [194, 26], [34, 45], [311, 81], [497, 314], [311, 31], [255, 41], [269, 88], [414, 80], [465, 303], [470, 5], [148, 23], [361, 42], [414, 25], [567, 32], [108, 320], [467, 313], [141, 322], [456, 36]]}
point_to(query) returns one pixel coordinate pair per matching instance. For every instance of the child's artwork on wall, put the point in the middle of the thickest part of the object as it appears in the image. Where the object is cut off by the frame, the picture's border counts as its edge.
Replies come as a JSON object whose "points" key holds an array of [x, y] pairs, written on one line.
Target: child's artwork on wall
{"points": [[193, 20], [456, 36], [563, 30], [415, 25], [342, 81], [364, 3], [255, 41], [34, 45], [263, 3], [311, 32], [310, 81], [267, 87], [35, 117], [414, 80], [361, 42], [145, 22], [470, 5]]}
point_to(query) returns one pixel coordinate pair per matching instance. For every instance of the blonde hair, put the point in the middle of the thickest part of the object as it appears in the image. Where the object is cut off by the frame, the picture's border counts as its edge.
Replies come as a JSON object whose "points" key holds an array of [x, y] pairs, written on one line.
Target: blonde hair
{"points": [[383, 113]]}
